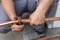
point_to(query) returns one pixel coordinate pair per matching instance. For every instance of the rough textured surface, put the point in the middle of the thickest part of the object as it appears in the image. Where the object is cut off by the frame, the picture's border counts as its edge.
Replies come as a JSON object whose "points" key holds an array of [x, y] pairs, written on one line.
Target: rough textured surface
{"points": [[27, 35], [53, 31]]}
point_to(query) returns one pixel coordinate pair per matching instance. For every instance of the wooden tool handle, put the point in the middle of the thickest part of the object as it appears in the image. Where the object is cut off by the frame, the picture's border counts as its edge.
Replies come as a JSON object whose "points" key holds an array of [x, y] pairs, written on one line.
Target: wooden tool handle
{"points": [[27, 20]]}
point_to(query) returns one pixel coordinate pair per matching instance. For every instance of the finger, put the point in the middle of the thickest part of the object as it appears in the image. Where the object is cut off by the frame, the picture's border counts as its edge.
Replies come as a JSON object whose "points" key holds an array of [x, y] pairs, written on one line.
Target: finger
{"points": [[21, 26], [36, 24], [13, 29], [17, 30], [13, 26], [17, 26], [31, 24]]}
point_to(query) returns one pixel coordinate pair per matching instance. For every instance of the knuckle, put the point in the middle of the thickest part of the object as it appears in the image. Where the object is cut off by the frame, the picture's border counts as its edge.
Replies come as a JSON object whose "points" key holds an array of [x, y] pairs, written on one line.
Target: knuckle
{"points": [[13, 30], [12, 27]]}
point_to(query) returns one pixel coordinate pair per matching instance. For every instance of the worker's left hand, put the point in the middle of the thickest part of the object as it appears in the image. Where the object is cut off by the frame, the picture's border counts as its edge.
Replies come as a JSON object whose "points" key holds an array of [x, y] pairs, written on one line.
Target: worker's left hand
{"points": [[17, 28], [37, 18]]}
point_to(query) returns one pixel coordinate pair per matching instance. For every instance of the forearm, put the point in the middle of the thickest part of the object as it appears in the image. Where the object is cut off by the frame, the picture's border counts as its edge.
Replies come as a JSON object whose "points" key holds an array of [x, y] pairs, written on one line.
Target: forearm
{"points": [[43, 6], [8, 6]]}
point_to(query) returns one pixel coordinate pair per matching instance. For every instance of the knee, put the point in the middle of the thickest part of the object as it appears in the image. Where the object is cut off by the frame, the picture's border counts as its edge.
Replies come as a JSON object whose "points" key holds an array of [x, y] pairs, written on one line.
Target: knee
{"points": [[5, 29], [40, 29]]}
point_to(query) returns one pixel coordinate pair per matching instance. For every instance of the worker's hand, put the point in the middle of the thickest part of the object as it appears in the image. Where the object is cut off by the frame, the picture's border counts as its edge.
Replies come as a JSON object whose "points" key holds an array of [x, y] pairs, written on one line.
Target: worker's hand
{"points": [[17, 28], [37, 18]]}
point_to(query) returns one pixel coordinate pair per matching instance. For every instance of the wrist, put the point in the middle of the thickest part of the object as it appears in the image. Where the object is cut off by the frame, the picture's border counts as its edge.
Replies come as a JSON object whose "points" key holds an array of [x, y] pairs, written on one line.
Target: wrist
{"points": [[16, 18], [41, 11], [39, 14], [13, 18]]}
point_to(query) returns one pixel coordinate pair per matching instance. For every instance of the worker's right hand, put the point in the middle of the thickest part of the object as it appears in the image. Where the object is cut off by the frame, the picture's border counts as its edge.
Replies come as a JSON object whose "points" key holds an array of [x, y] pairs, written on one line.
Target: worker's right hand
{"points": [[17, 28]]}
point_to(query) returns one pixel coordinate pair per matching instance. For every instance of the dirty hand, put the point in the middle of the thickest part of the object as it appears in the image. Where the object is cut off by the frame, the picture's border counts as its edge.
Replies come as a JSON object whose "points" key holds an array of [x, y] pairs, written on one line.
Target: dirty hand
{"points": [[17, 28], [37, 18]]}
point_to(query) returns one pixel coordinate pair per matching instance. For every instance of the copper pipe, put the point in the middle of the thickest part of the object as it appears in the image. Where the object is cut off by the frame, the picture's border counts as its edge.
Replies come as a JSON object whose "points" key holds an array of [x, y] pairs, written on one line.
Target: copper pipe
{"points": [[52, 19], [49, 37], [27, 20]]}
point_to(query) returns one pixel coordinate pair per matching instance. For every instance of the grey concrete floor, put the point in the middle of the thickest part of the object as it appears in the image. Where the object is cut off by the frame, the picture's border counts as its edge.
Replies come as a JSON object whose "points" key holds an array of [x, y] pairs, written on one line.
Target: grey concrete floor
{"points": [[53, 31], [19, 35]]}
